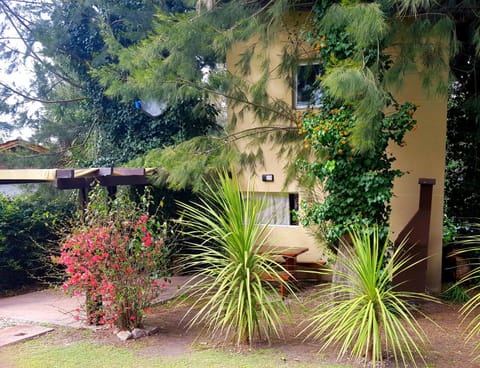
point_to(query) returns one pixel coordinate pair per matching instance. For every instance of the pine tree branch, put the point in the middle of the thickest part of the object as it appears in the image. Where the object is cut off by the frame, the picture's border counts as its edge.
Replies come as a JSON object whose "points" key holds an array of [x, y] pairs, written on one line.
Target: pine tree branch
{"points": [[9, 13], [255, 131], [443, 11], [38, 99], [231, 138], [236, 25], [289, 117]]}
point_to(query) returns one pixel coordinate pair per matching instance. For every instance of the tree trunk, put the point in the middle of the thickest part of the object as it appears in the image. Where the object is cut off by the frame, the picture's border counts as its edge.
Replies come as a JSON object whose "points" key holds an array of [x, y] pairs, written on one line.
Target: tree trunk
{"points": [[93, 306]]}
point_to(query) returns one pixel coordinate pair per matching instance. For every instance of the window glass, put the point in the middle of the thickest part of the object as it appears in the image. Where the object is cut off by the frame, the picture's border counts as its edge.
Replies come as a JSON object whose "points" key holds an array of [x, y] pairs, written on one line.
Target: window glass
{"points": [[279, 208], [307, 92]]}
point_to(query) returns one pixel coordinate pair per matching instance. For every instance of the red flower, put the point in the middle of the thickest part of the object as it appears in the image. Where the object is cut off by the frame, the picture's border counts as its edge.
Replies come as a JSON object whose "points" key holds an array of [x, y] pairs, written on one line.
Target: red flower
{"points": [[147, 240]]}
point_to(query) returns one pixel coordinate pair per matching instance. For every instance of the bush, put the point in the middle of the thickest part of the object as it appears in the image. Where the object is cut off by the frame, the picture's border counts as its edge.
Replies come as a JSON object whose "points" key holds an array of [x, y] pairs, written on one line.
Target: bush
{"points": [[28, 235], [456, 294], [229, 295], [116, 255], [363, 313], [357, 185]]}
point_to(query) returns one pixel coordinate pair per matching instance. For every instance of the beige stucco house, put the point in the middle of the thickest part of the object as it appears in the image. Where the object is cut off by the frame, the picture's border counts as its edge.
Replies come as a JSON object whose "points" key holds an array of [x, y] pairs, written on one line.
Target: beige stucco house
{"points": [[423, 156]]}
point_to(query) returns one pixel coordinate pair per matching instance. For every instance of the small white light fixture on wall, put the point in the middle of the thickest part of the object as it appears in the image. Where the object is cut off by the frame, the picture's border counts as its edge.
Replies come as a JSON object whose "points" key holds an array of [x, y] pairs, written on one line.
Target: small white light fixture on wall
{"points": [[267, 177]]}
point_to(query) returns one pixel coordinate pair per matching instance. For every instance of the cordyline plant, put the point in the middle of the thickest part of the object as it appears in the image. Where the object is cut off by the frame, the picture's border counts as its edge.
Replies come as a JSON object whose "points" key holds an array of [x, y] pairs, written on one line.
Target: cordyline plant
{"points": [[229, 296], [116, 256], [469, 248], [364, 315]]}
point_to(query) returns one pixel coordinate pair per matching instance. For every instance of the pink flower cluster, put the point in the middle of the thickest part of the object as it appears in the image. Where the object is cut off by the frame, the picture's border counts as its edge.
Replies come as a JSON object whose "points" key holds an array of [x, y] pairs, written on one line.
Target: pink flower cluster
{"points": [[115, 264]]}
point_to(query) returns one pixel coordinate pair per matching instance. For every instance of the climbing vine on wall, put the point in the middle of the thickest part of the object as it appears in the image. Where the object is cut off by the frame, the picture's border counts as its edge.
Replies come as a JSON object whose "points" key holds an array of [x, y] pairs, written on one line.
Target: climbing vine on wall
{"points": [[356, 177], [358, 184]]}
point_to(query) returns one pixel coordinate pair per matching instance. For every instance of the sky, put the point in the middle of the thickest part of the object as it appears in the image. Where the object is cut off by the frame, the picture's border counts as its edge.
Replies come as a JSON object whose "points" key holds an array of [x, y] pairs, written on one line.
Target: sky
{"points": [[18, 79]]}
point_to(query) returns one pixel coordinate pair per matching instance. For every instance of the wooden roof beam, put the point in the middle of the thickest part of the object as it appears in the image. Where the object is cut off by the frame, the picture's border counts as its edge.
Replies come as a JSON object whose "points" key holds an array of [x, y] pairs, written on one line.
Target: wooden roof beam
{"points": [[28, 175]]}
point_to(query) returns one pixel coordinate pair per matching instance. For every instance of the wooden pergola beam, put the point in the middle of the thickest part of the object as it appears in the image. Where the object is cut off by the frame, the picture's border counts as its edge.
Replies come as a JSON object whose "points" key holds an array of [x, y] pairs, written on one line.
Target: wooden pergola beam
{"points": [[21, 176], [77, 178]]}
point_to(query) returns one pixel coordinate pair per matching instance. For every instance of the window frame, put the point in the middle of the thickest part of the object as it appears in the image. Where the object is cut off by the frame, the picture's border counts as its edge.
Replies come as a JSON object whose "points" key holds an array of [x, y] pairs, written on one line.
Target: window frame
{"points": [[301, 105], [292, 198]]}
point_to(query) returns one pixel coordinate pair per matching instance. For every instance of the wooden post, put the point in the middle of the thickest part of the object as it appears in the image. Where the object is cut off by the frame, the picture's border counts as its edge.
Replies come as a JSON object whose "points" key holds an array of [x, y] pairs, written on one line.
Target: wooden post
{"points": [[416, 236]]}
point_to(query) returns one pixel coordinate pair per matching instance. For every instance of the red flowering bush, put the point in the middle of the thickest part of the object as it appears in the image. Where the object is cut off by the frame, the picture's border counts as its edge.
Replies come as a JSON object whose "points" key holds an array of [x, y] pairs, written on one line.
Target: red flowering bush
{"points": [[115, 256]]}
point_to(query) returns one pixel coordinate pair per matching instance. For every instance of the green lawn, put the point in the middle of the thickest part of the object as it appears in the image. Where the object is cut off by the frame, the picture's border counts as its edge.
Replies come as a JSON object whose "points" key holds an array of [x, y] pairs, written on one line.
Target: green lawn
{"points": [[35, 354]]}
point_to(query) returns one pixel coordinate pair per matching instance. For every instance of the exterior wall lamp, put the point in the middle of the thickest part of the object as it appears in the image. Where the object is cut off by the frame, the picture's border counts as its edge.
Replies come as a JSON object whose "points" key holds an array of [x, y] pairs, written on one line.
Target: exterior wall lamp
{"points": [[267, 177]]}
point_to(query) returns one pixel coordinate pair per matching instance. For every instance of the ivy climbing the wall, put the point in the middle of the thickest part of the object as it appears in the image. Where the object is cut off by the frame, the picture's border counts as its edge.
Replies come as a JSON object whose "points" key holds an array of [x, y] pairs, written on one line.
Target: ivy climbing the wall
{"points": [[349, 131], [358, 184]]}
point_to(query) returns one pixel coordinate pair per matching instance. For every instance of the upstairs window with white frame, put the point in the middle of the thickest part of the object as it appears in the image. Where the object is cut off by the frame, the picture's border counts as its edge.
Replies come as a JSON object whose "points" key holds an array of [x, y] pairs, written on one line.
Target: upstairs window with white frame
{"points": [[307, 91]]}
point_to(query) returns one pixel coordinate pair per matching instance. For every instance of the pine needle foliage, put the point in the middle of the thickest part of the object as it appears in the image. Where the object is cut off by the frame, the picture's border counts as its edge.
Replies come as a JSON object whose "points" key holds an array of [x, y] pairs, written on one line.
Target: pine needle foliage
{"points": [[382, 39], [183, 58], [363, 315], [371, 46], [364, 23], [229, 297], [201, 159], [164, 61], [170, 64]]}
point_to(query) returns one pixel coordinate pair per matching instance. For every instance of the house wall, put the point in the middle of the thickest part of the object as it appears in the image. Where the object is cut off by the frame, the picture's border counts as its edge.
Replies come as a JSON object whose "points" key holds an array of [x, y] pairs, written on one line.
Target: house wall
{"points": [[281, 235], [422, 157]]}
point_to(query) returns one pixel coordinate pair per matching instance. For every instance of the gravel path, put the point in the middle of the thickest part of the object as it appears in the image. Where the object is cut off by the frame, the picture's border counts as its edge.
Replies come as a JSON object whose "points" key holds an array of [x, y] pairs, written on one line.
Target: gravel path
{"points": [[7, 322]]}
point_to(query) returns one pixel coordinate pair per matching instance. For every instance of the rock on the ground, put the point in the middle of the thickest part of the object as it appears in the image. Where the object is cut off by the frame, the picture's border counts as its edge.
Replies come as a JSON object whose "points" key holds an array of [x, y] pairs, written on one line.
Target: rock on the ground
{"points": [[153, 330], [124, 335], [138, 333]]}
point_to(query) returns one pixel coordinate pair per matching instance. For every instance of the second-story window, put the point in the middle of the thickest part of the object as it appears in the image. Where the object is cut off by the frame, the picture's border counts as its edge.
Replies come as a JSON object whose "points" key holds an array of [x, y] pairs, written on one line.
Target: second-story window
{"points": [[307, 91]]}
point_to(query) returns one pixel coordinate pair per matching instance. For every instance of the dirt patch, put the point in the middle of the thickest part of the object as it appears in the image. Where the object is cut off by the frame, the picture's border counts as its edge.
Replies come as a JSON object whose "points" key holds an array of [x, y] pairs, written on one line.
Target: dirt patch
{"points": [[446, 344], [446, 347]]}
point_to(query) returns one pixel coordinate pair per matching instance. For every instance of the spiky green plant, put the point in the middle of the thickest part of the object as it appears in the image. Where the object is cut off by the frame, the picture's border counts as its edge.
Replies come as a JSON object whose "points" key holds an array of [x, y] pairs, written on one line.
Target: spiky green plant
{"points": [[468, 246], [363, 314], [470, 310], [229, 296]]}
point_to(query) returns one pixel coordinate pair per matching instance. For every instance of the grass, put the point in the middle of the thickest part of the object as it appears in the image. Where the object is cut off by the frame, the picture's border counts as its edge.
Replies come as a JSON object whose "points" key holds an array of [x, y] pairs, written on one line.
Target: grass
{"points": [[34, 354]]}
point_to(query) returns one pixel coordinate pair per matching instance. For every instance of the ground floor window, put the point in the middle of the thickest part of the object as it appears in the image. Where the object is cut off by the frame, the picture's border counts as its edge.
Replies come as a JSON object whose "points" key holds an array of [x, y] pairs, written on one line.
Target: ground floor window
{"points": [[280, 208]]}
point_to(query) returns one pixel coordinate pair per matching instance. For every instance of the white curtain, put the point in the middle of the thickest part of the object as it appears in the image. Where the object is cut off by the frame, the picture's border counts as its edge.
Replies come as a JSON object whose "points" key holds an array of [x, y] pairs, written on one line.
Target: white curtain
{"points": [[276, 210]]}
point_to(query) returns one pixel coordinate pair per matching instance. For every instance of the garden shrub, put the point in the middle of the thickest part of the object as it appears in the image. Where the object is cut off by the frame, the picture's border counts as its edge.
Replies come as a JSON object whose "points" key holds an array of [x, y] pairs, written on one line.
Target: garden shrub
{"points": [[358, 184], [28, 235], [116, 255], [235, 302], [456, 294], [366, 316]]}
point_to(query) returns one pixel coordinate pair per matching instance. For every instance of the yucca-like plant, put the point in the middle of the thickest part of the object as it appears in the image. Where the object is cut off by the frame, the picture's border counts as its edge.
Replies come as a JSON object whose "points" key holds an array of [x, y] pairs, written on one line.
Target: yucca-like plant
{"points": [[470, 310], [229, 296], [470, 247], [362, 314]]}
